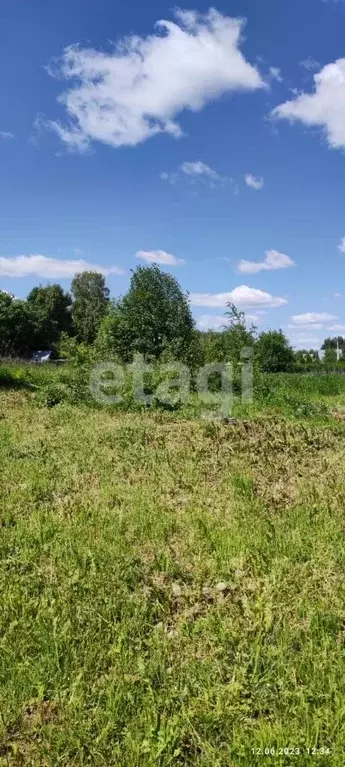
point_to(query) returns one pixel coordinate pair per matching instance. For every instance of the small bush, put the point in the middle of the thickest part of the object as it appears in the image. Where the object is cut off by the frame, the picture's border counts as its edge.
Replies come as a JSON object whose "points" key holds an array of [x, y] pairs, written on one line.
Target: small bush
{"points": [[52, 395]]}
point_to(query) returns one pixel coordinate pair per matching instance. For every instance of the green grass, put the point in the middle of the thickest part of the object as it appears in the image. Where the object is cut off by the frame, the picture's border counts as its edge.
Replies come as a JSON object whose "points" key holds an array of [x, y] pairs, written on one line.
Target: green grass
{"points": [[172, 588]]}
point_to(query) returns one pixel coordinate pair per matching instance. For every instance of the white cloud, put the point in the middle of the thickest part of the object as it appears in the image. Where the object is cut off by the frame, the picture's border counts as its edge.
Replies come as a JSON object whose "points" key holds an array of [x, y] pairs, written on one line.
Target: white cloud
{"points": [[138, 89], [302, 340], [199, 168], [313, 318], [273, 260], [275, 74], [325, 107], [159, 257], [253, 182], [54, 268], [219, 321], [310, 64], [341, 245], [337, 328], [196, 171], [171, 178], [242, 296], [5, 134], [307, 326], [211, 322], [255, 318]]}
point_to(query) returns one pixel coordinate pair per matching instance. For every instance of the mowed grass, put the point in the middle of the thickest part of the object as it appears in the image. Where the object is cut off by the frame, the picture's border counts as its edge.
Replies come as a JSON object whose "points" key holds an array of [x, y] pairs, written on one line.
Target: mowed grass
{"points": [[172, 591]]}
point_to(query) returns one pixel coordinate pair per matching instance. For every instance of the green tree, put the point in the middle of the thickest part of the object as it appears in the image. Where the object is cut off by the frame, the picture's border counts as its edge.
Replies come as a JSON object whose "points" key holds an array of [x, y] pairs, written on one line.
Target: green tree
{"points": [[153, 318], [330, 358], [334, 343], [50, 311], [106, 341], [307, 359], [213, 345], [274, 353], [226, 344], [91, 299], [237, 334], [15, 326]]}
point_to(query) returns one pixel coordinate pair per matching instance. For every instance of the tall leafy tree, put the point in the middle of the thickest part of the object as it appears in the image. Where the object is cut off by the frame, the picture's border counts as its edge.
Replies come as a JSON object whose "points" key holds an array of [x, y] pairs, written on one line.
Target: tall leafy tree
{"points": [[237, 335], [226, 344], [213, 345], [50, 311], [15, 326], [91, 299], [330, 358], [334, 343], [152, 318], [274, 353]]}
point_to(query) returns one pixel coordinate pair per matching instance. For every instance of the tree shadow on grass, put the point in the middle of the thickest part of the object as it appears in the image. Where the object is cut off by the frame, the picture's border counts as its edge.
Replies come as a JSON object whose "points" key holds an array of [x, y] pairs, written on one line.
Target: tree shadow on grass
{"points": [[9, 380]]}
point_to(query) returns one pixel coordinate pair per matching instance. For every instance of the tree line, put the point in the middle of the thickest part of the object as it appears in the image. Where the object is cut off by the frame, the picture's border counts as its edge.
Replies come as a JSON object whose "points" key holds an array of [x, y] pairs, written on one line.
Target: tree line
{"points": [[49, 313], [153, 318]]}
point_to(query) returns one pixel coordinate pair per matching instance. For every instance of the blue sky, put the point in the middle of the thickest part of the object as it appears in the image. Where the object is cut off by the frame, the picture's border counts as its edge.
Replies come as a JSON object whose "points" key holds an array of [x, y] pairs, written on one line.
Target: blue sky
{"points": [[211, 145]]}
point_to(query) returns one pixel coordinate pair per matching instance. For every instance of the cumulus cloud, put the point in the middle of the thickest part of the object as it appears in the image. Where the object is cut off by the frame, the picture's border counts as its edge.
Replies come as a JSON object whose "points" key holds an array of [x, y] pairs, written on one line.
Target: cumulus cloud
{"points": [[313, 318], [242, 296], [51, 268], [5, 134], [253, 182], [138, 89], [325, 107], [341, 245], [337, 328], [273, 260], [159, 257]]}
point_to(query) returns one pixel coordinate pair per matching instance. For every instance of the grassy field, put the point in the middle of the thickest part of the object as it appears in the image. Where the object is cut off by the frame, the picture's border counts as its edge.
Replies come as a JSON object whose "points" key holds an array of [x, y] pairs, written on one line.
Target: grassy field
{"points": [[173, 588]]}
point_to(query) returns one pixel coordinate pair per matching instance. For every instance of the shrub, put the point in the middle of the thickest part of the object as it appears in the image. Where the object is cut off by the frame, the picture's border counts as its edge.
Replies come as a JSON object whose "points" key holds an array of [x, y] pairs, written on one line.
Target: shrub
{"points": [[52, 395]]}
